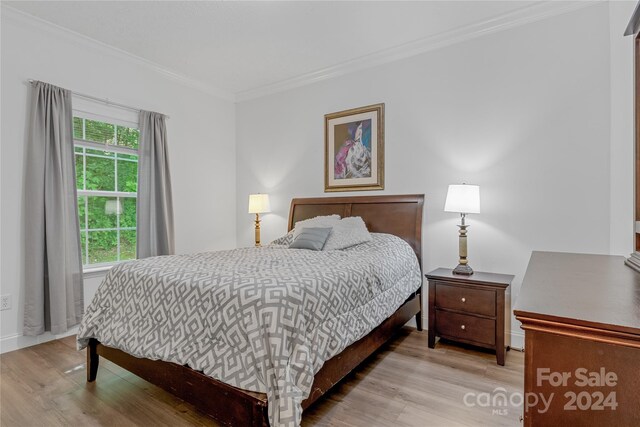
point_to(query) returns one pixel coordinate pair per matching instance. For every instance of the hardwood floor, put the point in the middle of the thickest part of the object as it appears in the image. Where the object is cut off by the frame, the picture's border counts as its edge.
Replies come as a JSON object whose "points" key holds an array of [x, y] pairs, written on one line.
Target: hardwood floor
{"points": [[405, 384]]}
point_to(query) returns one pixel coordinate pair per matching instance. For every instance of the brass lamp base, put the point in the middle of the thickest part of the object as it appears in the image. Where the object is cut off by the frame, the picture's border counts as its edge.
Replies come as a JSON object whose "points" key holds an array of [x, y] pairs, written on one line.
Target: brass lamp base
{"points": [[463, 267], [258, 231]]}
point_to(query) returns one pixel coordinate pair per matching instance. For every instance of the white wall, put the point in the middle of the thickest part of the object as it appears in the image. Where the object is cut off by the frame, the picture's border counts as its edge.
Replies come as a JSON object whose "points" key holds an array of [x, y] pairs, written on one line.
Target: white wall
{"points": [[201, 137], [524, 113]]}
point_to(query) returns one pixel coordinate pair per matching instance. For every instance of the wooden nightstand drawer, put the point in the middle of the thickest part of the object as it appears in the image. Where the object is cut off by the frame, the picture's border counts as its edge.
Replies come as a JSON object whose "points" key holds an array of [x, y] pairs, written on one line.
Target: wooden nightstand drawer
{"points": [[465, 299], [466, 327]]}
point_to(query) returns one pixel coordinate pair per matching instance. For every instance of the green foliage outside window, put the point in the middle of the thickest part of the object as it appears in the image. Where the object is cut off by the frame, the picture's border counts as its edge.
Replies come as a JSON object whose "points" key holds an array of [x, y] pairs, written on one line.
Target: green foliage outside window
{"points": [[105, 133], [127, 137], [107, 224], [127, 175], [100, 174], [77, 128]]}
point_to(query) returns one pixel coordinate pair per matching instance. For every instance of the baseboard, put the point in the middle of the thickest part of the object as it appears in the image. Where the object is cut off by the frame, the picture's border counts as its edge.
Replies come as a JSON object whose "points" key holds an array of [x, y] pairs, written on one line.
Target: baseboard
{"points": [[517, 340], [18, 341]]}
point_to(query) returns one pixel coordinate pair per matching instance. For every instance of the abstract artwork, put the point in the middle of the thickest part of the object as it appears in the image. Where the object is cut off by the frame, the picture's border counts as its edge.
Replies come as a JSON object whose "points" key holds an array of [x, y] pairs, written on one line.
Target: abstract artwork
{"points": [[354, 149]]}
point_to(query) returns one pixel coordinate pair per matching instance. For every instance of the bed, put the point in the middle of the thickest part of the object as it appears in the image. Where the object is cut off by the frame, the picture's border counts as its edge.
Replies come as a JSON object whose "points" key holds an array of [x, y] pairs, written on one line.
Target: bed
{"points": [[399, 216]]}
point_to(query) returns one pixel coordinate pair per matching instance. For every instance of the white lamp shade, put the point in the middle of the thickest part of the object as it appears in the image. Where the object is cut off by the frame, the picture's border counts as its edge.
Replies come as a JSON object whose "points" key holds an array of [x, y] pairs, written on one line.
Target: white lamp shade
{"points": [[463, 198], [259, 203], [113, 207]]}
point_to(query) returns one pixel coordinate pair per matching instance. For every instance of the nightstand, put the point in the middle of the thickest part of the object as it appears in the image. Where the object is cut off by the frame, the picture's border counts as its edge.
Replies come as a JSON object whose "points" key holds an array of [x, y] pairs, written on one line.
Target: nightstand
{"points": [[469, 309]]}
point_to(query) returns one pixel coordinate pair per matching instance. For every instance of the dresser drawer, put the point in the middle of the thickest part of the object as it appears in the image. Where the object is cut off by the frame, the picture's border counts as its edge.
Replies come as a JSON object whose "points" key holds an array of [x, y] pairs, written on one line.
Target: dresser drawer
{"points": [[469, 300], [467, 327]]}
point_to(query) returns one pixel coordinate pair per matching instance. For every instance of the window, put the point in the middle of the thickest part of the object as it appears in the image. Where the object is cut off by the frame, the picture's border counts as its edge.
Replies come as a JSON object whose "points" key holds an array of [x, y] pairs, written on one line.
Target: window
{"points": [[106, 157]]}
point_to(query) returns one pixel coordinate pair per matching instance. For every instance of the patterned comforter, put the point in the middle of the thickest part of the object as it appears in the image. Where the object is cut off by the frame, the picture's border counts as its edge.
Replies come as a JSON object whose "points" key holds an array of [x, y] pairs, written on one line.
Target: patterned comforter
{"points": [[261, 319]]}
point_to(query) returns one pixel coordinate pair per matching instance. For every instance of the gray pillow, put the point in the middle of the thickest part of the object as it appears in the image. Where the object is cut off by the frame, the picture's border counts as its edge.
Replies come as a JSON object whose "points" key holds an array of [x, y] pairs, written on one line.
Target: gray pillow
{"points": [[347, 232], [316, 222], [312, 238]]}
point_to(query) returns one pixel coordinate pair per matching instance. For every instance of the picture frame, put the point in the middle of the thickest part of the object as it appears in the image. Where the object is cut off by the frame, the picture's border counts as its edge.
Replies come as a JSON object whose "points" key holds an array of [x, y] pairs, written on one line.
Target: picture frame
{"points": [[354, 149]]}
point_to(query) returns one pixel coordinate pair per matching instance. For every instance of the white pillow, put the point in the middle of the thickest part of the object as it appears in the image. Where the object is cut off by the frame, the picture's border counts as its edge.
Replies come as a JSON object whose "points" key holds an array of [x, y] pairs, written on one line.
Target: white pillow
{"points": [[287, 239], [316, 222], [347, 232]]}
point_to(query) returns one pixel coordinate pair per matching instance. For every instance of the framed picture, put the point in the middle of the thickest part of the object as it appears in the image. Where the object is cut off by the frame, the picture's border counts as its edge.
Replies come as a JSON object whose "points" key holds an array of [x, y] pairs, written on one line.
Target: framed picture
{"points": [[354, 149]]}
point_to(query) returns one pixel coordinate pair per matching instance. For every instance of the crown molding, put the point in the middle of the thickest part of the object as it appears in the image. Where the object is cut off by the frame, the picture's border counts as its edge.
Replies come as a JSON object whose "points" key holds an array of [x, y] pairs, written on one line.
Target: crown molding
{"points": [[516, 18], [28, 19], [519, 17]]}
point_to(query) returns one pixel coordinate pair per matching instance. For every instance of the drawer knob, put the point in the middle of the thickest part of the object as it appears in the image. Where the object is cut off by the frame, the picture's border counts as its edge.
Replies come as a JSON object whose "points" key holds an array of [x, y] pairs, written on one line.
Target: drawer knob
{"points": [[462, 327], [463, 299]]}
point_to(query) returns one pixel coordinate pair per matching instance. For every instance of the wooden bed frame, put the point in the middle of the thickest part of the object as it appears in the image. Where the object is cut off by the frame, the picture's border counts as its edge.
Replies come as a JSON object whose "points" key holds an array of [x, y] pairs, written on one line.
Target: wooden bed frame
{"points": [[399, 215]]}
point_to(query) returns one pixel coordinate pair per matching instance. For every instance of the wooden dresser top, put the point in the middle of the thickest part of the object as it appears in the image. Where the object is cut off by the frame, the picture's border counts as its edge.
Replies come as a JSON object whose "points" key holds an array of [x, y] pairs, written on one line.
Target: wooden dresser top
{"points": [[596, 291]]}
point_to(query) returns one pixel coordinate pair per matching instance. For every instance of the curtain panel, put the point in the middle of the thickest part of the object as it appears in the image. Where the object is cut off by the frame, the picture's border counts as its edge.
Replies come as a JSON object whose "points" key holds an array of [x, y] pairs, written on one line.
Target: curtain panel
{"points": [[54, 299], [155, 235]]}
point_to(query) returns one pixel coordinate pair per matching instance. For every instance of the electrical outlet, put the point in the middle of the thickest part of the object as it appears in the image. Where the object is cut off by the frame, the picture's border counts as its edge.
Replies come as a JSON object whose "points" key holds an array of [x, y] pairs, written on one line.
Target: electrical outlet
{"points": [[5, 302]]}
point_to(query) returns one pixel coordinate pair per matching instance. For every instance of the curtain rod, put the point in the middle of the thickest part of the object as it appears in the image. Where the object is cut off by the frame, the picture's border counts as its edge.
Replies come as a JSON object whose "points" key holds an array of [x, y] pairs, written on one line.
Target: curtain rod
{"points": [[103, 100]]}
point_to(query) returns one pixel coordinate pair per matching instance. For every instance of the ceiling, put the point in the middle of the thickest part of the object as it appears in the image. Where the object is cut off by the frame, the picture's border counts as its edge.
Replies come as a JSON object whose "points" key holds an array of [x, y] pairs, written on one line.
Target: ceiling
{"points": [[242, 46]]}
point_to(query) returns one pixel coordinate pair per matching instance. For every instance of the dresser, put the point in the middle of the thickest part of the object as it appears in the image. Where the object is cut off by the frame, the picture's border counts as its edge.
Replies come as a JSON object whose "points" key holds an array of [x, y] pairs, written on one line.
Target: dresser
{"points": [[581, 317], [469, 309]]}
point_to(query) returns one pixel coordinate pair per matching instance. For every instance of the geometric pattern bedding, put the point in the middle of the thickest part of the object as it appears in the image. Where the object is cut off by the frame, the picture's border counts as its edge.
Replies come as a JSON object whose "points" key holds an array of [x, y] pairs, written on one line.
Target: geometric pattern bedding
{"points": [[261, 319]]}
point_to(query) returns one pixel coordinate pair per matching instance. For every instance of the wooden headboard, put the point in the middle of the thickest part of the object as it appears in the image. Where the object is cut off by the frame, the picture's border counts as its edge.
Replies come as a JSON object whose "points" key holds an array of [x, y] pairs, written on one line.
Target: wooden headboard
{"points": [[400, 215]]}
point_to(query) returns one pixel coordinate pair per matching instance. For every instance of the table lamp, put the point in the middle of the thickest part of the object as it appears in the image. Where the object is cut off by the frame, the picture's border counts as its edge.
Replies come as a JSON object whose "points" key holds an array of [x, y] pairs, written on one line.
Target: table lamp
{"points": [[113, 207], [259, 203], [464, 199]]}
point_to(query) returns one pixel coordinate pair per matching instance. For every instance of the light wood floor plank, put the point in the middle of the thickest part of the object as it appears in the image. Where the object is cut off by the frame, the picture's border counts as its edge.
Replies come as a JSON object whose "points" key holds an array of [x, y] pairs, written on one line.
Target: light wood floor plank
{"points": [[404, 384]]}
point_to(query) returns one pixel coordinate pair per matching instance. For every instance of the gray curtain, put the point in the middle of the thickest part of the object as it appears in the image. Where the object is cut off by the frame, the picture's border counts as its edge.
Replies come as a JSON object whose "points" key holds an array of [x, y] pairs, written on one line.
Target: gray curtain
{"points": [[155, 206], [634, 23], [54, 299]]}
